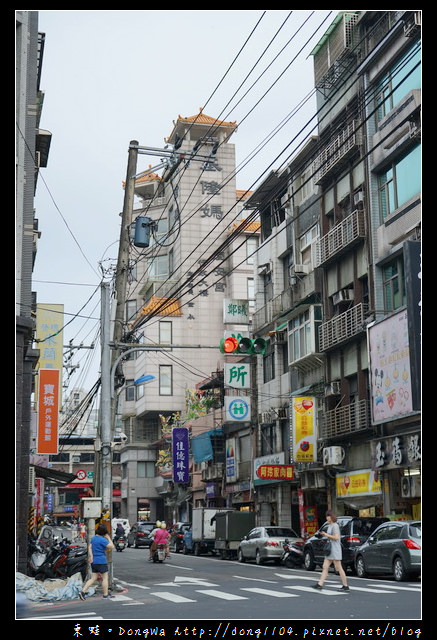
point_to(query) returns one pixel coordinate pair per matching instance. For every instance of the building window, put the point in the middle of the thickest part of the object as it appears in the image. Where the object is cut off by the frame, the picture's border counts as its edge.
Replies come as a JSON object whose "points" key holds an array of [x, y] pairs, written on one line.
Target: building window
{"points": [[130, 391], [145, 469], [400, 182], [268, 439], [251, 247], [308, 245], [397, 83], [165, 380], [302, 333], [139, 391], [165, 332], [394, 285], [269, 364], [158, 268], [131, 309], [251, 293]]}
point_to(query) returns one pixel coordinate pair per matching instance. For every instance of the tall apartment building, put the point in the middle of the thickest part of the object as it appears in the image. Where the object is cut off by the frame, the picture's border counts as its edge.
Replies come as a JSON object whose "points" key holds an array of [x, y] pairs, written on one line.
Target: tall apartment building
{"points": [[197, 259], [336, 290], [338, 286], [32, 149]]}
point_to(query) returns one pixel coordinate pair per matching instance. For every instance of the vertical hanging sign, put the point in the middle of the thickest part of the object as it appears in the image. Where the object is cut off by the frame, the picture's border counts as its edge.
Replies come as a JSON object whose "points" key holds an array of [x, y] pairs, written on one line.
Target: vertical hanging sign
{"points": [[48, 411], [180, 454]]}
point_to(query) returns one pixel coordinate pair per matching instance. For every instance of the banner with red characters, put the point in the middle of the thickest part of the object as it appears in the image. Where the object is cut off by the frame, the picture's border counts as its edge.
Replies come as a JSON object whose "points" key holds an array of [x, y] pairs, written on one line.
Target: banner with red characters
{"points": [[304, 428]]}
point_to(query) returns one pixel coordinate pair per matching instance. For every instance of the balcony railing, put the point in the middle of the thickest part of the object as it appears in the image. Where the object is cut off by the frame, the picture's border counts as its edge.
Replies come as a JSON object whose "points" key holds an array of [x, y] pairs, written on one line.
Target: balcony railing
{"points": [[346, 420], [214, 471], [344, 235], [338, 149], [342, 327]]}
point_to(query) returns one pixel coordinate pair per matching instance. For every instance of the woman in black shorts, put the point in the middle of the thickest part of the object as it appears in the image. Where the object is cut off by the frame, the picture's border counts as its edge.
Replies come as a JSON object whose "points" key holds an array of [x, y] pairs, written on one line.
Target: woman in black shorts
{"points": [[99, 545]]}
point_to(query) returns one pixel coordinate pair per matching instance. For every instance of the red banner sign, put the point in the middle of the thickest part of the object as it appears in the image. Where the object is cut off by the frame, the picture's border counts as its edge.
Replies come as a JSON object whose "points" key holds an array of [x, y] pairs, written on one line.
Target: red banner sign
{"points": [[48, 411], [275, 471]]}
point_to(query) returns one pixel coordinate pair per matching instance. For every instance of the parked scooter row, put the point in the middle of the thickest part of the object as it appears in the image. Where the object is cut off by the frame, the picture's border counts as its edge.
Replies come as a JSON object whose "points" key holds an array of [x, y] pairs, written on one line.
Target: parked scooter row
{"points": [[292, 556], [59, 560]]}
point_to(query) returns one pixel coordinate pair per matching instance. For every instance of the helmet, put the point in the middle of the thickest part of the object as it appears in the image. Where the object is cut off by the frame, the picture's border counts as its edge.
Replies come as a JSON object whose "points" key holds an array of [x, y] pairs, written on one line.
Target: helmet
{"points": [[163, 525]]}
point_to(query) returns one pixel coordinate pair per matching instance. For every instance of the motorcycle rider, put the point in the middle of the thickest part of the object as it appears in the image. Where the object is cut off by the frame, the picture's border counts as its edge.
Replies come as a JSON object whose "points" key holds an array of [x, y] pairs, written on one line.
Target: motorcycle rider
{"points": [[152, 535], [119, 532], [162, 537]]}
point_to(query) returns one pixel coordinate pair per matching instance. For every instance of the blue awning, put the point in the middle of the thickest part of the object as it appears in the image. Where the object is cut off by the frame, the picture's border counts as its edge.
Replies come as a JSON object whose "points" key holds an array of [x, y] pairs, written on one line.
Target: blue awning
{"points": [[201, 445]]}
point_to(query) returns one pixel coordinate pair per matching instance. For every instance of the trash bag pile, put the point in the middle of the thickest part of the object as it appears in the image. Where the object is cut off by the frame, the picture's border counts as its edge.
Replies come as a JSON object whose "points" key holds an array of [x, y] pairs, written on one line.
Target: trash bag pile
{"points": [[51, 589]]}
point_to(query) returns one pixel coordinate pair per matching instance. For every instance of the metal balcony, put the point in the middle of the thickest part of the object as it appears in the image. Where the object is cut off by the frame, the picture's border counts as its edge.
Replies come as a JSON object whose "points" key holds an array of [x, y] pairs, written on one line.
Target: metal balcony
{"points": [[341, 238], [343, 327], [338, 150], [214, 471], [346, 420]]}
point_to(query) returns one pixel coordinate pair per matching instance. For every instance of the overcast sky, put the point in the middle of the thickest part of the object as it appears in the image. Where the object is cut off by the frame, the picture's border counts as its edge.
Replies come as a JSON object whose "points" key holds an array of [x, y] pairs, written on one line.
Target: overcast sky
{"points": [[110, 77]]}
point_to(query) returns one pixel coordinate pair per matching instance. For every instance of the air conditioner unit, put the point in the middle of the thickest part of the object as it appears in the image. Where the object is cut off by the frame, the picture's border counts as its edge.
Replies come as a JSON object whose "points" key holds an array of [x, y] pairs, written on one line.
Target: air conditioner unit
{"points": [[332, 388], [343, 296], [265, 417], [301, 268], [410, 487], [32, 478], [358, 197], [312, 480], [332, 456]]}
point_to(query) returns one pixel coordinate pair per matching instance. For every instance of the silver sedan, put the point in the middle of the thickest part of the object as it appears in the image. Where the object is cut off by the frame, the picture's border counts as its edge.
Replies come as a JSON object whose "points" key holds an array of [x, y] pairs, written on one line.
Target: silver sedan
{"points": [[266, 543]]}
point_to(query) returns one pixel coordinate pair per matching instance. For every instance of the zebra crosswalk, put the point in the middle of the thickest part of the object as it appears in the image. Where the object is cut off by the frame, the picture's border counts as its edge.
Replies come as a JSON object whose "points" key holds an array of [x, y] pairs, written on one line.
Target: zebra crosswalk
{"points": [[278, 589]]}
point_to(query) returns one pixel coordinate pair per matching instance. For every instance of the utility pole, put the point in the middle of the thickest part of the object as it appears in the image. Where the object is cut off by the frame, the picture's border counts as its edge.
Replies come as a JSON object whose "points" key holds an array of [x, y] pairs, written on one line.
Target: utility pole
{"points": [[108, 403]]}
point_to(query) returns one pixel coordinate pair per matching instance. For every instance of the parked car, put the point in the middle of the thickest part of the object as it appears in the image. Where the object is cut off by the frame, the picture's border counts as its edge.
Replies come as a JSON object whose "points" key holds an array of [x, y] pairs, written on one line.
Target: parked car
{"points": [[263, 544], [395, 548], [177, 535], [187, 541], [139, 534], [354, 531]]}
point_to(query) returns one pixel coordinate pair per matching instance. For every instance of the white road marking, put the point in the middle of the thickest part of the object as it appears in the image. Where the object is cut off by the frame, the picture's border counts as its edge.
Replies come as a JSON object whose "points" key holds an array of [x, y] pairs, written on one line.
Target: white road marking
{"points": [[221, 594], [167, 595], [267, 592], [324, 592], [256, 579]]}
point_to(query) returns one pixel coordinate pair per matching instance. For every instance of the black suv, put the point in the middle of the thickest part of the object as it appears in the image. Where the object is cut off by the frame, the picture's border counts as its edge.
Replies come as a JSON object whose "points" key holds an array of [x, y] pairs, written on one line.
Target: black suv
{"points": [[139, 534], [353, 532]]}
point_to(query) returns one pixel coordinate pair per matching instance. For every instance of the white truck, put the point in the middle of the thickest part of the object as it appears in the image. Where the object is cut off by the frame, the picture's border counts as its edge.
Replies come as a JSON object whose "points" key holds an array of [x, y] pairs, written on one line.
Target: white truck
{"points": [[203, 529]]}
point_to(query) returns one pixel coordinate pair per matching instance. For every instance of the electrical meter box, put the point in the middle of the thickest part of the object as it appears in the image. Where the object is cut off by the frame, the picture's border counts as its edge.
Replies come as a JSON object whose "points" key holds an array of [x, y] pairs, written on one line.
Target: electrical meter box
{"points": [[92, 507]]}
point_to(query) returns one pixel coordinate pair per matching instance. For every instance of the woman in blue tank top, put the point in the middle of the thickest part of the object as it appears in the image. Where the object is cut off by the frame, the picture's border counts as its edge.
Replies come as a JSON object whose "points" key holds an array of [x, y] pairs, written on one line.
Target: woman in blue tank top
{"points": [[99, 545]]}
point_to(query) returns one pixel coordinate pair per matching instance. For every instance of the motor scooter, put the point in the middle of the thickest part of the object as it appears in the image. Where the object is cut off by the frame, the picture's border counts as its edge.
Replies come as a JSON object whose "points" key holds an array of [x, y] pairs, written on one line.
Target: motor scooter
{"points": [[292, 556], [159, 553], [62, 560], [120, 543]]}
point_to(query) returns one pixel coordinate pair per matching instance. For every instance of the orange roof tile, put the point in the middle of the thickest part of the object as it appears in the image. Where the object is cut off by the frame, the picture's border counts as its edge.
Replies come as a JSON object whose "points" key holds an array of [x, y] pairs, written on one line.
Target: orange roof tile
{"points": [[253, 226], [201, 118], [170, 307], [242, 194]]}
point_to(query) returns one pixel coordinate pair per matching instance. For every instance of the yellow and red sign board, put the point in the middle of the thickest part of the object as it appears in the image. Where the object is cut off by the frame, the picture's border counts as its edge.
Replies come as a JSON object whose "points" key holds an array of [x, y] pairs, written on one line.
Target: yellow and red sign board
{"points": [[275, 471], [48, 411]]}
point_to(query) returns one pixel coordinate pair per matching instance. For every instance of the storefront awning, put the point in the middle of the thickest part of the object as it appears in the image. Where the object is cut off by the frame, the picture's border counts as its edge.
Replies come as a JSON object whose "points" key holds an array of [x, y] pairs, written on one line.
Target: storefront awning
{"points": [[201, 445], [53, 476]]}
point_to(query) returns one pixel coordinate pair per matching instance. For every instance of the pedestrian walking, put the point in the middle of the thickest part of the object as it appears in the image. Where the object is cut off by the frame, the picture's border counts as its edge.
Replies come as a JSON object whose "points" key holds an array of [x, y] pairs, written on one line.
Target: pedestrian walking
{"points": [[334, 555], [82, 529], [97, 548]]}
